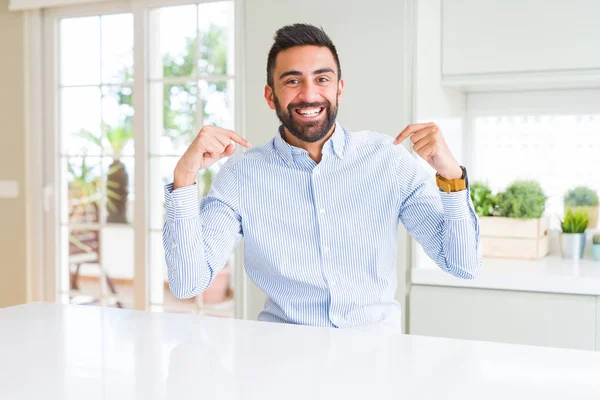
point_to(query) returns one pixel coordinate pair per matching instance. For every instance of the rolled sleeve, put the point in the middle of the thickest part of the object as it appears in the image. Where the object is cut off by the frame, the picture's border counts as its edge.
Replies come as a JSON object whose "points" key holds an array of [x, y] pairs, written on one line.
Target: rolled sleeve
{"points": [[181, 203]]}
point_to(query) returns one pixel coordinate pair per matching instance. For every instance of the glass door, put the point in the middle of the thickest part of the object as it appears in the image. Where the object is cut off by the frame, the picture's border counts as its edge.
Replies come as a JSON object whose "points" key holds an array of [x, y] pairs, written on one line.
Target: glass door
{"points": [[126, 92], [95, 159], [191, 84]]}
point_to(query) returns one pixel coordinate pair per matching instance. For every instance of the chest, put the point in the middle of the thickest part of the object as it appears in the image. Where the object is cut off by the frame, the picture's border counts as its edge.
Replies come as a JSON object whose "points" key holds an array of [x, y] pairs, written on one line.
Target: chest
{"points": [[345, 197]]}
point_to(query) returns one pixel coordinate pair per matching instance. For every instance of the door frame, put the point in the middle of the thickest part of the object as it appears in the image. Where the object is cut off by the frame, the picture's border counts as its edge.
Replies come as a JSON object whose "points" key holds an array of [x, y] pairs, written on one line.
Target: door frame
{"points": [[42, 153]]}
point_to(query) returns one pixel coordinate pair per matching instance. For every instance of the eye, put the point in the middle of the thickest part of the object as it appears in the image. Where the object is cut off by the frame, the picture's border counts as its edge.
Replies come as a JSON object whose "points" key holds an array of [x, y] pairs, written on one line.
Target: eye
{"points": [[292, 82], [323, 79]]}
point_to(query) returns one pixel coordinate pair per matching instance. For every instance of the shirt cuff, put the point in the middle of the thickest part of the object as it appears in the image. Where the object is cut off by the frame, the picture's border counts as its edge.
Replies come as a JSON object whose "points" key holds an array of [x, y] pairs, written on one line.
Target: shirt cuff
{"points": [[457, 205], [181, 203]]}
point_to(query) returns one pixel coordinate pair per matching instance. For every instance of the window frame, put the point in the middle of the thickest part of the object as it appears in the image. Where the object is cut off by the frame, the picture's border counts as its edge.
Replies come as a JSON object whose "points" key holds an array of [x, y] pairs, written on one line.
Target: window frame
{"points": [[44, 140]]}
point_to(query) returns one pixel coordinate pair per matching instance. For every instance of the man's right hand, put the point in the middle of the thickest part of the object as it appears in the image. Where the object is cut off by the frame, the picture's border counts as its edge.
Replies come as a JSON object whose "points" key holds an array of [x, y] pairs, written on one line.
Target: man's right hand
{"points": [[211, 144]]}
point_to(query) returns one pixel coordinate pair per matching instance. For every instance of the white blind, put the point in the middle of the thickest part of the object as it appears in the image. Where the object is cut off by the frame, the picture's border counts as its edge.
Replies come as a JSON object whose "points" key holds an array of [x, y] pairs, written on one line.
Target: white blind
{"points": [[21, 5]]}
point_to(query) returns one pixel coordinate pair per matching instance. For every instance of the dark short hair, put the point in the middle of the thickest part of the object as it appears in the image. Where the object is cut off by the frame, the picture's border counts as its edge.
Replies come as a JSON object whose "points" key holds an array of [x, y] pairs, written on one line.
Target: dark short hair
{"points": [[299, 35]]}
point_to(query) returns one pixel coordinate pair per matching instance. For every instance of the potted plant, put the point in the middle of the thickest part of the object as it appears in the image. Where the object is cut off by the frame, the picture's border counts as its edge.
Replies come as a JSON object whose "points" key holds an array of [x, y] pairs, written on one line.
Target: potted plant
{"points": [[596, 247], [573, 228], [117, 179], [484, 201], [522, 200], [512, 222], [582, 197]]}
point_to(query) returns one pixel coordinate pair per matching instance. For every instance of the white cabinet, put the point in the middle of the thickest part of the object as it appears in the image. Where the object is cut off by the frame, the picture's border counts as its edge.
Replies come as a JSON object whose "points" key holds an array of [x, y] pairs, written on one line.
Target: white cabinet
{"points": [[554, 320], [520, 39]]}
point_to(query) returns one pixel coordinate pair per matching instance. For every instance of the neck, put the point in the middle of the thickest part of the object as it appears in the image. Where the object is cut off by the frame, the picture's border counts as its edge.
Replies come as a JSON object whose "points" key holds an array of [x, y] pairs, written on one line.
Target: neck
{"points": [[315, 149]]}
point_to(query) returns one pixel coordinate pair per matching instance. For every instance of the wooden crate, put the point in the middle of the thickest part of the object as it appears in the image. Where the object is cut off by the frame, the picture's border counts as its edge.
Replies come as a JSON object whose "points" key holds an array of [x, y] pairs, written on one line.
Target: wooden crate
{"points": [[514, 238]]}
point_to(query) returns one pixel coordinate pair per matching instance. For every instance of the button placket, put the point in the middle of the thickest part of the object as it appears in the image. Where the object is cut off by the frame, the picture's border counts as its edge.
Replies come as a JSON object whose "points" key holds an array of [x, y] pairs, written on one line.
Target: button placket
{"points": [[321, 223]]}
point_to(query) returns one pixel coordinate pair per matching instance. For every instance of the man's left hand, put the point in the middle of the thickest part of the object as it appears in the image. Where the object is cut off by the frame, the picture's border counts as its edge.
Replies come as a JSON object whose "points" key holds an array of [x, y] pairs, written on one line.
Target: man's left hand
{"points": [[429, 144]]}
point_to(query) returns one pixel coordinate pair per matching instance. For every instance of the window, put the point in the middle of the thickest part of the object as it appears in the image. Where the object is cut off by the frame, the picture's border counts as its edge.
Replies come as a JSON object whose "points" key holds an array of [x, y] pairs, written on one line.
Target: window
{"points": [[187, 80], [559, 151], [549, 136], [191, 84], [96, 157]]}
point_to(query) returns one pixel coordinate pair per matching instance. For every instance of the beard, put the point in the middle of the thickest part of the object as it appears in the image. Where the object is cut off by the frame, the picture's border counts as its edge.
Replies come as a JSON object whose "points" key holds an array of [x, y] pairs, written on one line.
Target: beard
{"points": [[307, 131]]}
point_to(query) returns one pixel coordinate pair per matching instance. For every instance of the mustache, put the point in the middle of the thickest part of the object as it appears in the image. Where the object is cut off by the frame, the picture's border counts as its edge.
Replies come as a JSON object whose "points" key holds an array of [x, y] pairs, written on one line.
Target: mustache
{"points": [[291, 106]]}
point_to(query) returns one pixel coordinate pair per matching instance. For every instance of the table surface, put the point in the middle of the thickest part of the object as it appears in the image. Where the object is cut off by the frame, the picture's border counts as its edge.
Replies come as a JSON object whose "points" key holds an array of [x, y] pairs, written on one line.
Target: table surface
{"points": [[551, 274], [50, 352]]}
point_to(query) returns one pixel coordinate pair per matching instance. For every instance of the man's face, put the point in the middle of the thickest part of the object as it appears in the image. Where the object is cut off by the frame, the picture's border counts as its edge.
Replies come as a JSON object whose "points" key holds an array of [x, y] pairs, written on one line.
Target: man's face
{"points": [[305, 91]]}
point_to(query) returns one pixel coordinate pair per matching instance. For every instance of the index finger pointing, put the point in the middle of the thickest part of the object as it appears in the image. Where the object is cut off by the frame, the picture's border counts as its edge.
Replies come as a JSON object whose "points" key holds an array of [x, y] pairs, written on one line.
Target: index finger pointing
{"points": [[237, 138], [410, 129]]}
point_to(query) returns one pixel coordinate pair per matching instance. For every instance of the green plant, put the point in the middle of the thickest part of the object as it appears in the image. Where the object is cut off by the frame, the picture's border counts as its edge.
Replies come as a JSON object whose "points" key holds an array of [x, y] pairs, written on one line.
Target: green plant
{"points": [[575, 221], [596, 239], [484, 201], [117, 179], [523, 200], [581, 196]]}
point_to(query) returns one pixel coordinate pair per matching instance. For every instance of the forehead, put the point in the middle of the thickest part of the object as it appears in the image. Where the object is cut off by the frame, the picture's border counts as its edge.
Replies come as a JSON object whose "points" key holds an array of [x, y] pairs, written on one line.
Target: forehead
{"points": [[304, 59]]}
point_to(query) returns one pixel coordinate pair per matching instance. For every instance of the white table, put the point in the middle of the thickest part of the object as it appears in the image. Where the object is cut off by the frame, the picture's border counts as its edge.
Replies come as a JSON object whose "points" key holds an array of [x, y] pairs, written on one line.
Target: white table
{"points": [[551, 274], [51, 352]]}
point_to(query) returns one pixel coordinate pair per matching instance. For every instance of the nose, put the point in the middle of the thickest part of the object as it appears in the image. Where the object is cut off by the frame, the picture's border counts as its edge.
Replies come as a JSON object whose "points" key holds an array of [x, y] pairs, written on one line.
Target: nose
{"points": [[309, 92]]}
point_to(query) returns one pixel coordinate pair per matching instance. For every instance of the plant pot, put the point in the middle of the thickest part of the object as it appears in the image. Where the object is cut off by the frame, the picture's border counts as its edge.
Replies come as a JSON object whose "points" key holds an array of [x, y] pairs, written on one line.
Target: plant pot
{"points": [[572, 245], [514, 238], [596, 252]]}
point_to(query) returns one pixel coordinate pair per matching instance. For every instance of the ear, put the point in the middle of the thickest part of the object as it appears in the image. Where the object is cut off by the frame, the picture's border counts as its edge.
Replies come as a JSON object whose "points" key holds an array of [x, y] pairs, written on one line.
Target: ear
{"points": [[269, 97], [340, 90]]}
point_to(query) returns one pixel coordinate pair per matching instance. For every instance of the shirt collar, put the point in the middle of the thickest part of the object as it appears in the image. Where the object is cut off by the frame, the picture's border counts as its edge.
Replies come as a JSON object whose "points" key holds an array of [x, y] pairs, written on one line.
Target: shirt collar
{"points": [[336, 144]]}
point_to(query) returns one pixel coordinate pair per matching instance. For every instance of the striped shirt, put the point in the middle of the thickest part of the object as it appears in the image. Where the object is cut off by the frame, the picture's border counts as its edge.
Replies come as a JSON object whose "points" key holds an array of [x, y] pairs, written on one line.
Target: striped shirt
{"points": [[319, 239]]}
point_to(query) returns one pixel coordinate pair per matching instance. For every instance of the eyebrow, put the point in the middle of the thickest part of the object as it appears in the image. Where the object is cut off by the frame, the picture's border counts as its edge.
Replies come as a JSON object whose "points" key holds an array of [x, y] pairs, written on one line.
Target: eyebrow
{"points": [[298, 73]]}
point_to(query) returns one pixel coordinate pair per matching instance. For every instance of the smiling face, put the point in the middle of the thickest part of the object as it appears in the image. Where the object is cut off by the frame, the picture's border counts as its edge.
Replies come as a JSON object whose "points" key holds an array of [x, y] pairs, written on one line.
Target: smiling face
{"points": [[306, 91]]}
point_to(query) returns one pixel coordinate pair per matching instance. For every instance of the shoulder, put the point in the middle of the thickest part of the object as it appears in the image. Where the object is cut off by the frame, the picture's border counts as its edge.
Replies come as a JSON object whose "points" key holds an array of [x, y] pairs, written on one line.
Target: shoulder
{"points": [[244, 159]]}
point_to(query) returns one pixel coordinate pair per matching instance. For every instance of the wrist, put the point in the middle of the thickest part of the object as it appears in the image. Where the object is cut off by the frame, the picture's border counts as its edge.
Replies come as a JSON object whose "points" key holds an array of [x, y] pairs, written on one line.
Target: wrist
{"points": [[183, 178], [453, 174]]}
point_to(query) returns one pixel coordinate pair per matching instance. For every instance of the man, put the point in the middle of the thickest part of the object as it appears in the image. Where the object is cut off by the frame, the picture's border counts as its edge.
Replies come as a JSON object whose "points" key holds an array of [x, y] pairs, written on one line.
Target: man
{"points": [[318, 206]]}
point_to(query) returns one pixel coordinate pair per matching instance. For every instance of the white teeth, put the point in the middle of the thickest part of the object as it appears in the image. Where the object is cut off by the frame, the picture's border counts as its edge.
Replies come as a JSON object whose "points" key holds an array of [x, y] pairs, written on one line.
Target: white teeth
{"points": [[309, 112]]}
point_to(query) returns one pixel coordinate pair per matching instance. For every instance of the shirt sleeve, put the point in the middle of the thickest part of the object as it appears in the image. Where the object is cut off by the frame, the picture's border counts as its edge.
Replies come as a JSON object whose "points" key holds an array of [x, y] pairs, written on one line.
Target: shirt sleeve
{"points": [[199, 237], [444, 224]]}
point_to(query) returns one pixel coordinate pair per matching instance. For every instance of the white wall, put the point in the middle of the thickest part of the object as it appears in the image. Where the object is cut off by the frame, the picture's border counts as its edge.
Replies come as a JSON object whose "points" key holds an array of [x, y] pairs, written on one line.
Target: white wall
{"points": [[432, 102], [370, 39]]}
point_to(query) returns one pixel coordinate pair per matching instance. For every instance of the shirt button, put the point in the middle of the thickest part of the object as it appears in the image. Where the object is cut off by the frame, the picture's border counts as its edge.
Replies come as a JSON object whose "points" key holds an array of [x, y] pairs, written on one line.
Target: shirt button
{"points": [[332, 283], [173, 245], [326, 249], [322, 211], [317, 172]]}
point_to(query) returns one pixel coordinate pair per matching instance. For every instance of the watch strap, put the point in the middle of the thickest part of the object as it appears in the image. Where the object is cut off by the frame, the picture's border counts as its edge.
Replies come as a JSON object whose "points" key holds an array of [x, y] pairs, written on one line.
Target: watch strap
{"points": [[451, 185]]}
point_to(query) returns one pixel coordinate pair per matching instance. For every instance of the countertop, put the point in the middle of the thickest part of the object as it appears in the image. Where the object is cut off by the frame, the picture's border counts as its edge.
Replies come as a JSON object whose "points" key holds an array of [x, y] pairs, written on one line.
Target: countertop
{"points": [[551, 274], [50, 352]]}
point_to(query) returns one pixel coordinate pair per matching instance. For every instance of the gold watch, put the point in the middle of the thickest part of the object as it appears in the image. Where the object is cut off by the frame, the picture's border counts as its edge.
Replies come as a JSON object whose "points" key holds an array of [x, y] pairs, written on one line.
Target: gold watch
{"points": [[452, 185]]}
